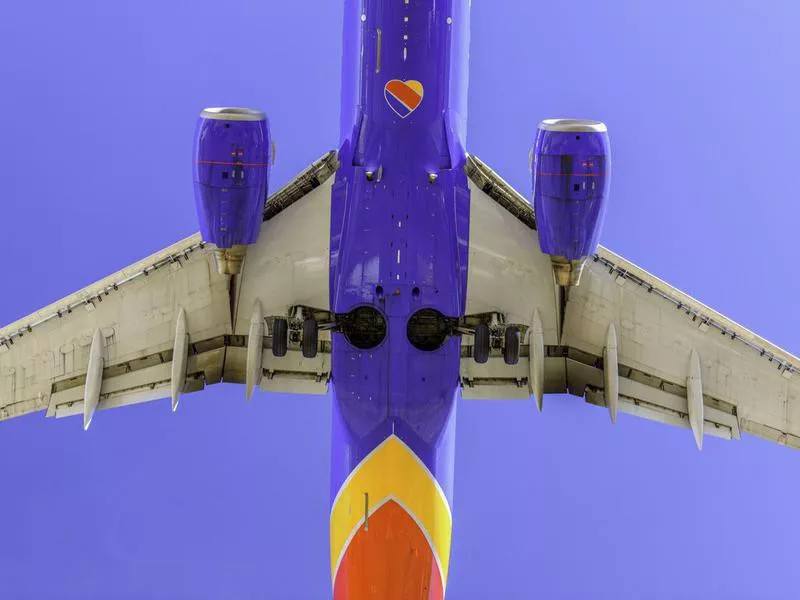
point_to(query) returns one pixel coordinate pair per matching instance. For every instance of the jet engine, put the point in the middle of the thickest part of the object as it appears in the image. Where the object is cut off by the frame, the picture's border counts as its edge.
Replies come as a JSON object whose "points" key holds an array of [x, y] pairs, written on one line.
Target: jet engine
{"points": [[570, 170], [232, 153]]}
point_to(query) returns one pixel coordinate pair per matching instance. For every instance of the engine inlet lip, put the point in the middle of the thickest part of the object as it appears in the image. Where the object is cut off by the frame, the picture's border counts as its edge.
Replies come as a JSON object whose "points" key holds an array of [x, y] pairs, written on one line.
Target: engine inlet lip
{"points": [[232, 113], [573, 125]]}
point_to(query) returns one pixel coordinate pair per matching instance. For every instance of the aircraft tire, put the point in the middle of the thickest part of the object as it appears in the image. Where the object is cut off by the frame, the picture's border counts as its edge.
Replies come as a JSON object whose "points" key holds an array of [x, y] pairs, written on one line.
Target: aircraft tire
{"points": [[480, 350], [280, 337], [310, 337], [511, 346]]}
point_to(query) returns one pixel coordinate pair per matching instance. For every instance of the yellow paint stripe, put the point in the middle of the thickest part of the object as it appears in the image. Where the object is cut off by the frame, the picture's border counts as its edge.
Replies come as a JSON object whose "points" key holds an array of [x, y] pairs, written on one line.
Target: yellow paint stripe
{"points": [[415, 85], [392, 470]]}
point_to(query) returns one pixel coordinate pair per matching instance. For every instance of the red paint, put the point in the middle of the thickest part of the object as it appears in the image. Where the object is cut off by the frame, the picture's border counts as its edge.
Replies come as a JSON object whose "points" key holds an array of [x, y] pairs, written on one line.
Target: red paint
{"points": [[389, 560]]}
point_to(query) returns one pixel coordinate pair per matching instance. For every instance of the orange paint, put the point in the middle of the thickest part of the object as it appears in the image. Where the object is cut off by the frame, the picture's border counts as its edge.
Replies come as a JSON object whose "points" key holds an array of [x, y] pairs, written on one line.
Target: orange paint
{"points": [[389, 560]]}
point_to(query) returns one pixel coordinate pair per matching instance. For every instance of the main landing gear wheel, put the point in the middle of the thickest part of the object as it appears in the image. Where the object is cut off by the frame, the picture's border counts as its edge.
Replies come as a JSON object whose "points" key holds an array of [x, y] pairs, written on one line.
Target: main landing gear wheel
{"points": [[280, 337], [310, 337], [511, 347], [480, 350]]}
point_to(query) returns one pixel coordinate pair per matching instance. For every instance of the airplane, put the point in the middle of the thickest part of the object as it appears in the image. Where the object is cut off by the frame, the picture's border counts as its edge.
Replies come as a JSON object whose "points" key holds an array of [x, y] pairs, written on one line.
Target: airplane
{"points": [[461, 290]]}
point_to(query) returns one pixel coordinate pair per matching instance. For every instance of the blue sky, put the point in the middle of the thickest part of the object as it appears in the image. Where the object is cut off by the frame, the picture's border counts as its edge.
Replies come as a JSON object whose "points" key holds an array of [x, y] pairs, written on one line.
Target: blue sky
{"points": [[98, 108]]}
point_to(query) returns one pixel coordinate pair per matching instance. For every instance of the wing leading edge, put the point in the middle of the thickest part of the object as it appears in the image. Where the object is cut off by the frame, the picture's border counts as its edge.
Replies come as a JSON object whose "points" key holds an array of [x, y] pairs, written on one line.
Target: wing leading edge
{"points": [[622, 339], [170, 324]]}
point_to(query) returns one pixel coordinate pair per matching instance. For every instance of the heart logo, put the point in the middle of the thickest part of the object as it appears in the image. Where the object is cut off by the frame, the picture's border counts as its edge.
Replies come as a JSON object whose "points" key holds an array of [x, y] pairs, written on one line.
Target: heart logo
{"points": [[403, 97]]}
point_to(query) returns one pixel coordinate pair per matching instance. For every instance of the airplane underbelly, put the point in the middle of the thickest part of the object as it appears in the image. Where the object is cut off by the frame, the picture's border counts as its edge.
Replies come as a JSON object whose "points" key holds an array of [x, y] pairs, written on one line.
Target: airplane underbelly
{"points": [[398, 269], [398, 249]]}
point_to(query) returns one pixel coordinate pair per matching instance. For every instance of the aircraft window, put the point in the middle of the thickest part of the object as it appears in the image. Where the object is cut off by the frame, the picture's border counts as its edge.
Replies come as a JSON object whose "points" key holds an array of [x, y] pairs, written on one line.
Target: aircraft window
{"points": [[364, 327], [427, 329]]}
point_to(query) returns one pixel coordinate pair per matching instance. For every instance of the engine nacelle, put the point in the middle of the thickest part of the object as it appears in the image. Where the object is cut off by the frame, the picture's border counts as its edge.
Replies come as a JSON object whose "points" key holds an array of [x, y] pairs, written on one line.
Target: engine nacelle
{"points": [[570, 170], [232, 154]]}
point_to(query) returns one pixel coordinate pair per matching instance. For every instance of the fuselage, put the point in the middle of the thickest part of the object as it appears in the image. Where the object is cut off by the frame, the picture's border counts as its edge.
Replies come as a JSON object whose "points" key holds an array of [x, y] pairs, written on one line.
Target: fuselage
{"points": [[399, 229]]}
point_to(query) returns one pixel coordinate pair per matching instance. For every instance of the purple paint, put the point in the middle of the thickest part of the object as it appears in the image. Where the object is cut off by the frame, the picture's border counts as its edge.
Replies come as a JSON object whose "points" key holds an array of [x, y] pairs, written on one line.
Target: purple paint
{"points": [[399, 226], [232, 153], [570, 170]]}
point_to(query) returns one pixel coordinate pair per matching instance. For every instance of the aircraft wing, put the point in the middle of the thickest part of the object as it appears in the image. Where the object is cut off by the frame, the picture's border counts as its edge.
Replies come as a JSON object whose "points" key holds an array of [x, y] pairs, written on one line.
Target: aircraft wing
{"points": [[622, 338], [171, 324]]}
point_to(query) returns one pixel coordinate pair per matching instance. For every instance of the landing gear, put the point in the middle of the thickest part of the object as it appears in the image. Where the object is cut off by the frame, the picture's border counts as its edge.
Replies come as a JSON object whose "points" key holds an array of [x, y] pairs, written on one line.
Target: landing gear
{"points": [[300, 328], [490, 331], [310, 337], [280, 337], [480, 349], [511, 345]]}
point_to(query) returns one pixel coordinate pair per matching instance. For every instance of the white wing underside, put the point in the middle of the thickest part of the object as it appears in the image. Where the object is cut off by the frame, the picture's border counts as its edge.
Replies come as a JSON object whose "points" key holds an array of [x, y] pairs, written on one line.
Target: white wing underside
{"points": [[743, 383], [44, 357], [678, 361]]}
